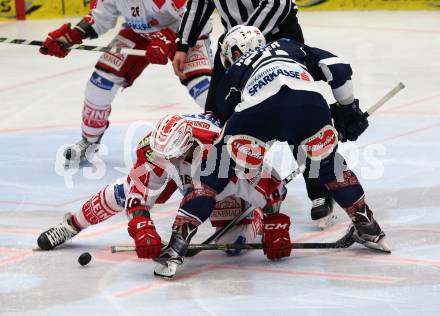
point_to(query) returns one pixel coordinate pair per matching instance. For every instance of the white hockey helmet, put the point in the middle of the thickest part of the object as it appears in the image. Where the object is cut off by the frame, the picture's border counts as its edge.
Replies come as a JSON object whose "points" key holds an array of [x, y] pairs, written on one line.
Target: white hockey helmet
{"points": [[172, 137], [239, 40]]}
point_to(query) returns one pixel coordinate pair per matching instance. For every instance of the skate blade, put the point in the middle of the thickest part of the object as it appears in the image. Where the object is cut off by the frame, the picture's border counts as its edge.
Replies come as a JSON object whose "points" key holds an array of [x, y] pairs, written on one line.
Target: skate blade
{"points": [[166, 271], [381, 246], [327, 221], [165, 277]]}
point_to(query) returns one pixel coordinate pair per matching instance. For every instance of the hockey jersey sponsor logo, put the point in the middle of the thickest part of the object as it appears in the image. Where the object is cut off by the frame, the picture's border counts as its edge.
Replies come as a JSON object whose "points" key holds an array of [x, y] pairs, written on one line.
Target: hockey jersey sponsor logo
{"points": [[138, 26], [200, 124], [116, 61], [268, 79], [200, 118], [322, 144], [199, 59], [270, 74], [247, 151], [227, 209], [101, 82]]}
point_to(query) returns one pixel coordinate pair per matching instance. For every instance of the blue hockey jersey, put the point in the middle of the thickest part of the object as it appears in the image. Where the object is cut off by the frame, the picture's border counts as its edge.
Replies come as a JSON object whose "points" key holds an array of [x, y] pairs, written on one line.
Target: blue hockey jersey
{"points": [[261, 73]]}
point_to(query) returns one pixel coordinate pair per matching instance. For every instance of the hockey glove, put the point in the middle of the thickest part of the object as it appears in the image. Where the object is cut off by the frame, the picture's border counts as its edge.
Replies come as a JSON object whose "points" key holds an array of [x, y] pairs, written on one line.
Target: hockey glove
{"points": [[161, 47], [58, 41], [349, 120], [276, 238], [146, 238]]}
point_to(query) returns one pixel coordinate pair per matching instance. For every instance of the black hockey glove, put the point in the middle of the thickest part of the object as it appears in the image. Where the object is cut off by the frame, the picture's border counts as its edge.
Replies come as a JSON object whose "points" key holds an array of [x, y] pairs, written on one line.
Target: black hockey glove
{"points": [[349, 120]]}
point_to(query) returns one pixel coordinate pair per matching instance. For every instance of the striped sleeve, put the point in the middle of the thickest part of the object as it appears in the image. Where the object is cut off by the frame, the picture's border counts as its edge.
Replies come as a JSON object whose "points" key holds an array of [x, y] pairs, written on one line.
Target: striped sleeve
{"points": [[269, 14], [338, 75], [194, 19], [328, 67]]}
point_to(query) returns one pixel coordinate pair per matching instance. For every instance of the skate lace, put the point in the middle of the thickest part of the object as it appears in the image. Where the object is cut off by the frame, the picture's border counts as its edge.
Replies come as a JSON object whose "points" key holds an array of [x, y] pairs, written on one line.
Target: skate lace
{"points": [[58, 235], [82, 145], [318, 202]]}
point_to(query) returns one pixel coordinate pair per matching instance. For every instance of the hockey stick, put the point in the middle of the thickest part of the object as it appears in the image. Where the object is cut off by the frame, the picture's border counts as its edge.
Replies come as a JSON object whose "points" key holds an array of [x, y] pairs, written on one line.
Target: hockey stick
{"points": [[105, 49], [344, 242], [384, 99], [228, 227]]}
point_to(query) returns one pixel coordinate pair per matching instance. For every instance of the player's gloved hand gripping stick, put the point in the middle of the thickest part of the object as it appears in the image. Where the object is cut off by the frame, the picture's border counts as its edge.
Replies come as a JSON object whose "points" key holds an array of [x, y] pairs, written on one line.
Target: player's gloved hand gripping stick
{"points": [[350, 121]]}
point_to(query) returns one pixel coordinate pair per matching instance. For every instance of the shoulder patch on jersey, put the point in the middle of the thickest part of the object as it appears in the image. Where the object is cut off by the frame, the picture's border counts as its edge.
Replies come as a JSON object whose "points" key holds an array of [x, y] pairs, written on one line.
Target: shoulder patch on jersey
{"points": [[145, 145], [159, 3], [320, 145], [247, 151], [145, 141], [177, 4]]}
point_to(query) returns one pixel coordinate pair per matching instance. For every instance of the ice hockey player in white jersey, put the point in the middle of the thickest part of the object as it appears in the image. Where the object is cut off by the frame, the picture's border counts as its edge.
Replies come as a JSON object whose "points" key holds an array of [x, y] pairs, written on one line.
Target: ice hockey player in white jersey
{"points": [[150, 25], [165, 162]]}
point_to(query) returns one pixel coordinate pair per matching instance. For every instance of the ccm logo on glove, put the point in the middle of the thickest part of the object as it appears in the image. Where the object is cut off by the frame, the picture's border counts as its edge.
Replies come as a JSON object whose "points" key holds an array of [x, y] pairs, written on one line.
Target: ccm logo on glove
{"points": [[144, 224], [276, 226]]}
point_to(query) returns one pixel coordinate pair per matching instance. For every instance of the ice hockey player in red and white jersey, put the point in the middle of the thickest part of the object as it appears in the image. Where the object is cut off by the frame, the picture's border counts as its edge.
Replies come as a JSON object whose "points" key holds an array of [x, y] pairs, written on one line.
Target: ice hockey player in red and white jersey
{"points": [[150, 25], [166, 161]]}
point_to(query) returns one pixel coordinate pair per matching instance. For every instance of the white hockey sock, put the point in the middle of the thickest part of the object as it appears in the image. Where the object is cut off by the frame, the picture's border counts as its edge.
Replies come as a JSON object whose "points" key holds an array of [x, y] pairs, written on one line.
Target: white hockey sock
{"points": [[100, 92]]}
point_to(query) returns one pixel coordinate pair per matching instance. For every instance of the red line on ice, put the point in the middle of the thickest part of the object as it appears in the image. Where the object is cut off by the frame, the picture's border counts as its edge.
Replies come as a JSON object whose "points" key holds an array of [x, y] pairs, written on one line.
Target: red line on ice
{"points": [[39, 80], [13, 255]]}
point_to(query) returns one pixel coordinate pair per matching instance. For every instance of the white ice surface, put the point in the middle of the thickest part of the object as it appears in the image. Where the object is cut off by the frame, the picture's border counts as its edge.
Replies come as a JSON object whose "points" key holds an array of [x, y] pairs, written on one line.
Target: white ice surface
{"points": [[40, 111]]}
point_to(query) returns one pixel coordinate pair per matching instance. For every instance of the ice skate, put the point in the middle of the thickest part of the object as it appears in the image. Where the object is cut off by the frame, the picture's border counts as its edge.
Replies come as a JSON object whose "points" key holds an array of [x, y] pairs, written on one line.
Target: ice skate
{"points": [[322, 212], [78, 151], [171, 257], [369, 233], [58, 235], [168, 262]]}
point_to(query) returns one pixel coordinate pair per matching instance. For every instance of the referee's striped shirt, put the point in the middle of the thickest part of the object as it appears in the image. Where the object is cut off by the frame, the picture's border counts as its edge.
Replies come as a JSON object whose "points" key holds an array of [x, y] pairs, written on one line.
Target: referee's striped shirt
{"points": [[264, 14]]}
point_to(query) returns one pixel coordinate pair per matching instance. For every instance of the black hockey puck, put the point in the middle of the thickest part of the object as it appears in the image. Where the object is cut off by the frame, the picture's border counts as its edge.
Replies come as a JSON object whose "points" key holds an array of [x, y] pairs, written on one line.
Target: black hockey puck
{"points": [[84, 258]]}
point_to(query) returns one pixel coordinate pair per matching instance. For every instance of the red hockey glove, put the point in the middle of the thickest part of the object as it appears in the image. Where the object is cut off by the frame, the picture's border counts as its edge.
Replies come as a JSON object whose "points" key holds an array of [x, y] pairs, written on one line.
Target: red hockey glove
{"points": [[276, 238], [161, 47], [146, 238], [57, 41]]}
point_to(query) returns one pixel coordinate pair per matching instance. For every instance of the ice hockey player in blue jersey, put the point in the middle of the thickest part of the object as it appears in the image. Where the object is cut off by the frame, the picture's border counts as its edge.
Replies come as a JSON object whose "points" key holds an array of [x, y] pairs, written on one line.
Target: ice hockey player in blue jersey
{"points": [[269, 94]]}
